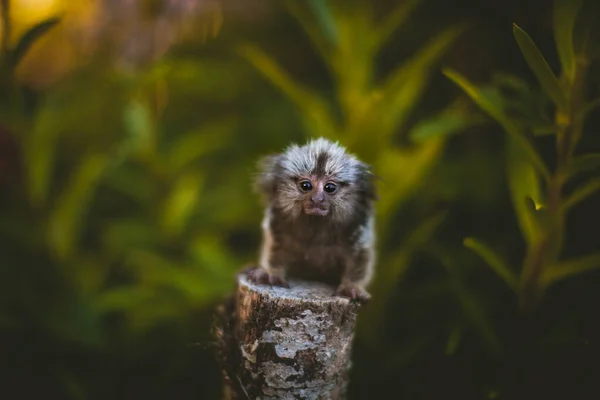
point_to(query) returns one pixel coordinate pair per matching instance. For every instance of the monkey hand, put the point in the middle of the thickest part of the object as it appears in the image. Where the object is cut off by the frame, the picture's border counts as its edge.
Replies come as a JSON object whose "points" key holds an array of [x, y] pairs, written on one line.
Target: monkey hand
{"points": [[262, 276], [354, 292]]}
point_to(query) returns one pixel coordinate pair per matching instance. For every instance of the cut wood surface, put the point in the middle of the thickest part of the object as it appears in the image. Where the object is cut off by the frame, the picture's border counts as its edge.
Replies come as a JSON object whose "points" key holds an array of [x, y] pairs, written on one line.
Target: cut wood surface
{"points": [[284, 343]]}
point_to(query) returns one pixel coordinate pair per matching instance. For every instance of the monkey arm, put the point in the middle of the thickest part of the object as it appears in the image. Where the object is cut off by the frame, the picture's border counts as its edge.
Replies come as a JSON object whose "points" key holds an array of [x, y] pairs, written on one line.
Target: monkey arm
{"points": [[359, 266], [271, 268]]}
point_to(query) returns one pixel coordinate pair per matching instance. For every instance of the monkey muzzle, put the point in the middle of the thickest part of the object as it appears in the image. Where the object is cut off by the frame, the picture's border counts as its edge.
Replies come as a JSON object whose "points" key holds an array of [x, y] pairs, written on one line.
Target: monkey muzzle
{"points": [[316, 204], [316, 207], [316, 210]]}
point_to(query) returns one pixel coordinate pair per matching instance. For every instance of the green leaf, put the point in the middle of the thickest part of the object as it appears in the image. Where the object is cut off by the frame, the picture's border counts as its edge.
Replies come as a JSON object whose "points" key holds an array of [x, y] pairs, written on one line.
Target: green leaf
{"points": [[326, 20], [181, 202], [477, 316], [471, 305], [29, 38], [406, 168], [407, 351], [396, 266], [399, 260], [213, 255], [154, 269], [122, 235], [538, 129], [591, 106], [586, 33], [124, 298], [197, 78], [72, 384], [565, 12], [421, 62], [200, 142], [540, 68], [581, 194], [453, 340], [404, 86], [568, 269], [524, 186], [40, 148], [138, 185], [444, 124], [67, 216], [494, 261], [307, 21], [139, 126], [394, 107], [315, 110], [5, 22], [393, 21], [488, 102], [585, 163], [91, 272]]}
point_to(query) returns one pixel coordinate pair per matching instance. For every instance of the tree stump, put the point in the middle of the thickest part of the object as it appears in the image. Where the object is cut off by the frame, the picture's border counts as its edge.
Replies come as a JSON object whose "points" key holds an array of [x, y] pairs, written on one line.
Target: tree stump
{"points": [[279, 343]]}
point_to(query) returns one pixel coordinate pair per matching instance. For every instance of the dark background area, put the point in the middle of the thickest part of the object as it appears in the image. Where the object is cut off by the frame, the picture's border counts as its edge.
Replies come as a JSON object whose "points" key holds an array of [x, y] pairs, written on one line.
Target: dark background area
{"points": [[129, 134]]}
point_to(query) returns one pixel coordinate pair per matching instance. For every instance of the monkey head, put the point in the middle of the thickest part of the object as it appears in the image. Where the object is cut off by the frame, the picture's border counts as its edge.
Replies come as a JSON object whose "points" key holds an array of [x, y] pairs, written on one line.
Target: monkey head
{"points": [[319, 179], [317, 194]]}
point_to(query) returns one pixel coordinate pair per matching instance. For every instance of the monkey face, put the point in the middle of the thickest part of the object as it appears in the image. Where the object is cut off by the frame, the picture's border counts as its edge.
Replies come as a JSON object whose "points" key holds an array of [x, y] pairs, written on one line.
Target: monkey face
{"points": [[318, 179], [317, 194]]}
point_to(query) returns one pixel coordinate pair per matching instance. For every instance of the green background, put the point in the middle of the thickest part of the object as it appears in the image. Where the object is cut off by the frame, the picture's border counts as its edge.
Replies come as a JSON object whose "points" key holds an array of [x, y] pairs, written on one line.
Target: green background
{"points": [[127, 148]]}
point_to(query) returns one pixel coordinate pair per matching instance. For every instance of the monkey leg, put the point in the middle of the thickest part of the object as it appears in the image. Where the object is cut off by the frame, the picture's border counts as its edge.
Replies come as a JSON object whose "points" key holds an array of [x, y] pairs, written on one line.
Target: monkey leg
{"points": [[356, 276]]}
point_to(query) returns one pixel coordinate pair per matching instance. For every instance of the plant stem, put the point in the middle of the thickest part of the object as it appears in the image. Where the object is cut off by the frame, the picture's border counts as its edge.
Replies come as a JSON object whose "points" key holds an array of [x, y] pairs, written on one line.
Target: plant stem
{"points": [[6, 28], [548, 248]]}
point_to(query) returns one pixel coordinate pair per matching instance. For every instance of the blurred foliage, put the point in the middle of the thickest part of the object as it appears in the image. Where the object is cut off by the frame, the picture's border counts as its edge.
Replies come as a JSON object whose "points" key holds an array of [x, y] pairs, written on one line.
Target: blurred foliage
{"points": [[126, 205], [537, 193], [113, 145]]}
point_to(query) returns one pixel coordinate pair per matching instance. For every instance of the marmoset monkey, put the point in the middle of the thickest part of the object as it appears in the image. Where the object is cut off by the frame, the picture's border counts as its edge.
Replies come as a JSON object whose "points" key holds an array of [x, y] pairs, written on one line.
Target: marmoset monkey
{"points": [[318, 223]]}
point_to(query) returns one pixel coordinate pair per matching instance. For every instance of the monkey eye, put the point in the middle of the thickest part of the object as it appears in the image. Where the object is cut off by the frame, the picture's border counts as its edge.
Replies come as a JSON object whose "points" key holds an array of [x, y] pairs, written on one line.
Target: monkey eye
{"points": [[330, 187], [305, 186]]}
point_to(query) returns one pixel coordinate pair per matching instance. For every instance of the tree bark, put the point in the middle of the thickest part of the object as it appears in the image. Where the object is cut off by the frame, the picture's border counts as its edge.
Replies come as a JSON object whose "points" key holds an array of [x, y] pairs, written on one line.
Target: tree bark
{"points": [[279, 343]]}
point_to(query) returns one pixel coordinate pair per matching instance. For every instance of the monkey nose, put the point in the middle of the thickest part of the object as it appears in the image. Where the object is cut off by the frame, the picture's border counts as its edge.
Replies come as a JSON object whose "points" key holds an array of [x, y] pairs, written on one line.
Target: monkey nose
{"points": [[317, 198]]}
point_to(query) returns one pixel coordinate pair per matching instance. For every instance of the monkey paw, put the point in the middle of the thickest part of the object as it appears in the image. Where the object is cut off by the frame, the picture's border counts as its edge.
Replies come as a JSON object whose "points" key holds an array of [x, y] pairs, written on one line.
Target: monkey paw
{"points": [[261, 276], [354, 292]]}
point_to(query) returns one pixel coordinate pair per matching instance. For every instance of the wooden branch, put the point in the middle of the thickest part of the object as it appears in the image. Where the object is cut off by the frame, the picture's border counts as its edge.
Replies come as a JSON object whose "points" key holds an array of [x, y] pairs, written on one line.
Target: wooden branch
{"points": [[282, 343]]}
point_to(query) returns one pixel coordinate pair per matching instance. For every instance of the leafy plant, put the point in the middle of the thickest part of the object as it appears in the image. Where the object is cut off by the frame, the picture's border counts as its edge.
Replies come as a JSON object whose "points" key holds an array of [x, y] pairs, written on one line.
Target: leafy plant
{"points": [[173, 245], [539, 194], [108, 154], [12, 112]]}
